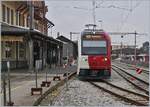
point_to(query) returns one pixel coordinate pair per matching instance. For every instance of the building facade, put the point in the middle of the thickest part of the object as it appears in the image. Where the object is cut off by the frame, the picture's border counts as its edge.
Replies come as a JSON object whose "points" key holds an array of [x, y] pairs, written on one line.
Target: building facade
{"points": [[118, 46], [24, 30], [70, 49]]}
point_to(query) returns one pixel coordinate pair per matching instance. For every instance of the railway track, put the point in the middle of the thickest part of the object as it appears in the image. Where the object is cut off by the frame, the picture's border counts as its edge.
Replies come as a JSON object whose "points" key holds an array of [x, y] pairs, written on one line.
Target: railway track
{"points": [[125, 66], [53, 91], [124, 94], [137, 82]]}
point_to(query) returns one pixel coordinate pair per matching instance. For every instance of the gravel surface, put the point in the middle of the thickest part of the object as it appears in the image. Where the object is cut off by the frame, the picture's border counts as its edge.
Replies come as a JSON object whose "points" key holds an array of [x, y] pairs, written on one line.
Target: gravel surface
{"points": [[82, 93], [143, 75]]}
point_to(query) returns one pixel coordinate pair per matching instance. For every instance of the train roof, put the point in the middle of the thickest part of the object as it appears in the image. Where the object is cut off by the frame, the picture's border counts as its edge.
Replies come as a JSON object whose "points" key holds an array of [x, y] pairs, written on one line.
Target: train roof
{"points": [[93, 31]]}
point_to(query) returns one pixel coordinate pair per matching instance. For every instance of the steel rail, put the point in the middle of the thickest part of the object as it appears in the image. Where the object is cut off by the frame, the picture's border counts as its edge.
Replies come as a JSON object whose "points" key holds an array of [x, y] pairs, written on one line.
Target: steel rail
{"points": [[131, 66], [53, 88], [137, 86], [129, 100], [131, 75], [123, 89]]}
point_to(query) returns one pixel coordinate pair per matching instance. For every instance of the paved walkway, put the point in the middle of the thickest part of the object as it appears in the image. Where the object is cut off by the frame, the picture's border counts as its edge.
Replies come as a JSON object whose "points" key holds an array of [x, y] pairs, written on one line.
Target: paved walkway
{"points": [[22, 82]]}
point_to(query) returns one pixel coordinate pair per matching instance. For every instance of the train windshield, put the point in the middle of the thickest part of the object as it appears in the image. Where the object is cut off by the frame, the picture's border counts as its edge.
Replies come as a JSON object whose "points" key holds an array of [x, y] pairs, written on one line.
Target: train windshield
{"points": [[94, 47]]}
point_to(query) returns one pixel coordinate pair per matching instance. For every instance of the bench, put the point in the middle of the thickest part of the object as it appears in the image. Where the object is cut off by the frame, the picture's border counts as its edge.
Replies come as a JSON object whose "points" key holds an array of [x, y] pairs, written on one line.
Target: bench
{"points": [[36, 90], [45, 83], [56, 77], [10, 103], [65, 74]]}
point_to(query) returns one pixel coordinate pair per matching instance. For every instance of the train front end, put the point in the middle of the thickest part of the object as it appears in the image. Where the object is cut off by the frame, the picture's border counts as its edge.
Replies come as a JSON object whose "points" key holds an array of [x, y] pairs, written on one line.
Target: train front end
{"points": [[94, 61]]}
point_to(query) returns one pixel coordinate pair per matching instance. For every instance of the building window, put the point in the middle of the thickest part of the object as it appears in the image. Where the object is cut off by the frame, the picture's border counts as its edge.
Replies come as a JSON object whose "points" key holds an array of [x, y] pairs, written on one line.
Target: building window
{"points": [[22, 50], [4, 12], [36, 25], [27, 22], [17, 18], [12, 17], [8, 15], [23, 20], [8, 52]]}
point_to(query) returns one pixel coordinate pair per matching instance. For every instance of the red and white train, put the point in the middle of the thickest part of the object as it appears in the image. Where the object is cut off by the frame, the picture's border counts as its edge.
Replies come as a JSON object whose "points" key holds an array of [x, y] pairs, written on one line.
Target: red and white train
{"points": [[94, 55]]}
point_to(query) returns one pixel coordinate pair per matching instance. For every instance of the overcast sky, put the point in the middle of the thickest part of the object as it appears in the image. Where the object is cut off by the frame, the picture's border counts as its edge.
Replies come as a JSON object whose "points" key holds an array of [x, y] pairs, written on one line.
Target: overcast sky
{"points": [[72, 15]]}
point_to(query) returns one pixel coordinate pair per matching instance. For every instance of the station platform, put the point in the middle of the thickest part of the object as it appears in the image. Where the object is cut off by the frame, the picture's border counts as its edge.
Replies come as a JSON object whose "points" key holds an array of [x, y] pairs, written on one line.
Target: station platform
{"points": [[22, 82]]}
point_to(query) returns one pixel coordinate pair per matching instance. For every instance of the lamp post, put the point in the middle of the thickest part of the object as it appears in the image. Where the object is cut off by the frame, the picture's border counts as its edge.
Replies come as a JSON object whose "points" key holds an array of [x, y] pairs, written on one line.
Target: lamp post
{"points": [[10, 103], [94, 16], [4, 89], [121, 51], [67, 71], [135, 47], [58, 58]]}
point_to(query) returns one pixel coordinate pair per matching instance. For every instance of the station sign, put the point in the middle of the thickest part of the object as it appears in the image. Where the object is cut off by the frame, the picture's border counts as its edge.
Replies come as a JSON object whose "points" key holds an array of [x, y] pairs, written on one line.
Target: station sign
{"points": [[37, 64], [8, 64], [12, 38]]}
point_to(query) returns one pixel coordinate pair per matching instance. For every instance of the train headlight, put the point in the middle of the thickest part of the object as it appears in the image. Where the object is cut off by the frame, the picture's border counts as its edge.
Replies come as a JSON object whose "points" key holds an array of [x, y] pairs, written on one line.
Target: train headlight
{"points": [[105, 59]]}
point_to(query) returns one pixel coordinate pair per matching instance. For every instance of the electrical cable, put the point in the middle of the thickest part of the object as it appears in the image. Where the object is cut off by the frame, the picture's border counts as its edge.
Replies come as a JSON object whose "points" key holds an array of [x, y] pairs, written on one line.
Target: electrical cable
{"points": [[127, 16]]}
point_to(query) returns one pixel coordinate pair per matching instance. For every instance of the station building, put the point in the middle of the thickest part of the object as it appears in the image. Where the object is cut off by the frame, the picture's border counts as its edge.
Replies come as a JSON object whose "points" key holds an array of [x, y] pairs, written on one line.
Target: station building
{"points": [[22, 44], [69, 47]]}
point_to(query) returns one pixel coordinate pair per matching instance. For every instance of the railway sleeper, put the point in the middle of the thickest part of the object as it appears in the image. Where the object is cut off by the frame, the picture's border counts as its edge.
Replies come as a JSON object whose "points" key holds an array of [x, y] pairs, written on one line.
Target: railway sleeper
{"points": [[137, 86], [129, 100]]}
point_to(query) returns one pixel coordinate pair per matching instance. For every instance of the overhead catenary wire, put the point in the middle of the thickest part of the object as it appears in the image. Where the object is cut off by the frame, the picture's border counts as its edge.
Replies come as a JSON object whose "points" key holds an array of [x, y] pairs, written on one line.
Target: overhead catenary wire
{"points": [[132, 8]]}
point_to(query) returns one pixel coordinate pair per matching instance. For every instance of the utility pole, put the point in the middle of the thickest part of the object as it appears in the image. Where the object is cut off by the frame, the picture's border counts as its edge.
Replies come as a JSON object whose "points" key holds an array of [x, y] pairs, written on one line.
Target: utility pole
{"points": [[31, 27], [10, 103], [58, 34], [71, 36], [94, 17], [31, 13], [67, 71], [135, 47], [121, 53]]}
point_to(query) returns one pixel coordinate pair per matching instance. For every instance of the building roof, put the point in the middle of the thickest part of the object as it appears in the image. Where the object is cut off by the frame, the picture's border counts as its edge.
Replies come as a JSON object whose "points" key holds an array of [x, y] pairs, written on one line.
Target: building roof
{"points": [[7, 29], [62, 38], [50, 24]]}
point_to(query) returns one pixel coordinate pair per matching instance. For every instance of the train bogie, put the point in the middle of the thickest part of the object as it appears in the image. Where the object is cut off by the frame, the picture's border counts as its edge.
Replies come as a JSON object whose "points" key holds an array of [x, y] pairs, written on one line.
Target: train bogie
{"points": [[94, 74]]}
